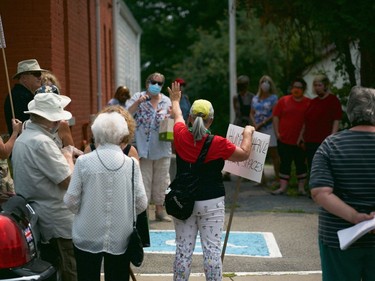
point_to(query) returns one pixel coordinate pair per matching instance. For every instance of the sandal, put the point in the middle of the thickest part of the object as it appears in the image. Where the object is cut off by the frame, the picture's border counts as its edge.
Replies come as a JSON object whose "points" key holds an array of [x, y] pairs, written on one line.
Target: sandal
{"points": [[278, 192]]}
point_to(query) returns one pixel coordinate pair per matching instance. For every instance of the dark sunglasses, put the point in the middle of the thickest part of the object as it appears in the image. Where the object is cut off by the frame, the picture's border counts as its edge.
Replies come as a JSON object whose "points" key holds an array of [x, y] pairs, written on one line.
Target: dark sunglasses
{"points": [[153, 82], [36, 74]]}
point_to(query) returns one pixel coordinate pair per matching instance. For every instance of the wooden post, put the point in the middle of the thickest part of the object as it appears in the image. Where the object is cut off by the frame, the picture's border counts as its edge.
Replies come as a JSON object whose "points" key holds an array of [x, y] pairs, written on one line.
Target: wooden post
{"points": [[2, 46], [235, 197]]}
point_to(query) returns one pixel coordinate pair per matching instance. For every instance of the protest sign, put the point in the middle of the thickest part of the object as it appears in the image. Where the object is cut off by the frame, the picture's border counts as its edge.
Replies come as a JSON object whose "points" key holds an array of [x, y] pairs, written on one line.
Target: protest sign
{"points": [[251, 168]]}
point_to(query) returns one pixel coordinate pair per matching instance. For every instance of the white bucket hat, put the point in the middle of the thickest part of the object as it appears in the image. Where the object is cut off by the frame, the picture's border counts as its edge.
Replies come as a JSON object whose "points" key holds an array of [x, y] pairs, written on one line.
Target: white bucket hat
{"points": [[30, 65], [50, 106]]}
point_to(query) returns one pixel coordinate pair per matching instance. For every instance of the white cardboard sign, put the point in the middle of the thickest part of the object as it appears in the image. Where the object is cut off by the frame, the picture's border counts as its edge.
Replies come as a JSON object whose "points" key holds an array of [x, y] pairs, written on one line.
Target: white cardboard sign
{"points": [[251, 168]]}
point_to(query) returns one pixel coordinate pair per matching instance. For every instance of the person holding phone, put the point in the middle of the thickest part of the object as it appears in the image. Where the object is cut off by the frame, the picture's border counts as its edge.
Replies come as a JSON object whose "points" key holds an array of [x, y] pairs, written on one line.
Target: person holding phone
{"points": [[149, 108]]}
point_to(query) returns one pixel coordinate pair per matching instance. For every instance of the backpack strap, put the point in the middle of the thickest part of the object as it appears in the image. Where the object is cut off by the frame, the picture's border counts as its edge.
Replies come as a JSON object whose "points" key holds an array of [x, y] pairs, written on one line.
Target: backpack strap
{"points": [[204, 150]]}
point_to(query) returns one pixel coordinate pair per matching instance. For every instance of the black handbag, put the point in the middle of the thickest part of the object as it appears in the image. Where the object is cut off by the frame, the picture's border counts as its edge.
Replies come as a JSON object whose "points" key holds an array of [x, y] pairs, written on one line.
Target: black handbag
{"points": [[143, 229], [142, 219], [135, 246], [179, 199]]}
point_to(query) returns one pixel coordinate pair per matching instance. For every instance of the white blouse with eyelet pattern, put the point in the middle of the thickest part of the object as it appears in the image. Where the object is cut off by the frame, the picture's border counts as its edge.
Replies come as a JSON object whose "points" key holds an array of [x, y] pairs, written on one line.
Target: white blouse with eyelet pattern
{"points": [[100, 195]]}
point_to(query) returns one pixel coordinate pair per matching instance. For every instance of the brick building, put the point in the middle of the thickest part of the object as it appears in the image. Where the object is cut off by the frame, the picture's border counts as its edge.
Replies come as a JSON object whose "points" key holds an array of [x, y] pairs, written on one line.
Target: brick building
{"points": [[92, 46]]}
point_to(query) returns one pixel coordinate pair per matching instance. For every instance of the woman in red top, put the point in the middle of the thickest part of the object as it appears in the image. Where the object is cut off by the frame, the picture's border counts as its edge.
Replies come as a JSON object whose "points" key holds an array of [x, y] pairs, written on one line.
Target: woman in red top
{"points": [[209, 210], [288, 118]]}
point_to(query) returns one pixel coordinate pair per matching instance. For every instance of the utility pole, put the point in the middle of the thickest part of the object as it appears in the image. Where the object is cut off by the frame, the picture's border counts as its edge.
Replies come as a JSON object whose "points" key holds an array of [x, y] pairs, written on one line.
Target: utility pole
{"points": [[232, 56]]}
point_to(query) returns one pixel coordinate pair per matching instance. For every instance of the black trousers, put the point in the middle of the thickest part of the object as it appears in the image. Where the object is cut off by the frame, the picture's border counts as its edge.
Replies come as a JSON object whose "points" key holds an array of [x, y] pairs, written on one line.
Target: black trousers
{"points": [[289, 154], [116, 267], [311, 148]]}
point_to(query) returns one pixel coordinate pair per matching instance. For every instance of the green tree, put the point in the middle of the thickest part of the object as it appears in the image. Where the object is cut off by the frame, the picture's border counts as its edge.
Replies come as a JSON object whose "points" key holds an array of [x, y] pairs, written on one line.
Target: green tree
{"points": [[207, 72], [340, 23], [170, 27]]}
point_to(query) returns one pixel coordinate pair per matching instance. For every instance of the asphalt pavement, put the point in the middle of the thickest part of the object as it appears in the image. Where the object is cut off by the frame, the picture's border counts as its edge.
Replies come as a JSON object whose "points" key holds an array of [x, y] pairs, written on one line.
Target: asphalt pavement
{"points": [[292, 219]]}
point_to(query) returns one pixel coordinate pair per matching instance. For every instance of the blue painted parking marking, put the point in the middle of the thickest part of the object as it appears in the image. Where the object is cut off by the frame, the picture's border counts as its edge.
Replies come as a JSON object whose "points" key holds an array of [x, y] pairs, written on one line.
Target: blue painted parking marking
{"points": [[245, 244]]}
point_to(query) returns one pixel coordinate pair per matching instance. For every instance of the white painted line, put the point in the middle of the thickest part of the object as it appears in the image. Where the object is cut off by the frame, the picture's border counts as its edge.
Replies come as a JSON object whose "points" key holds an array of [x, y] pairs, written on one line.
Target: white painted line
{"points": [[272, 245], [265, 273]]}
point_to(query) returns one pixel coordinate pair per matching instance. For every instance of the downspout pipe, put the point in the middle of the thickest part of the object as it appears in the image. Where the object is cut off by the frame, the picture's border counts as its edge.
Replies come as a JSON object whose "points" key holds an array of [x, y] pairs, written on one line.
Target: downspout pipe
{"points": [[115, 13], [98, 56]]}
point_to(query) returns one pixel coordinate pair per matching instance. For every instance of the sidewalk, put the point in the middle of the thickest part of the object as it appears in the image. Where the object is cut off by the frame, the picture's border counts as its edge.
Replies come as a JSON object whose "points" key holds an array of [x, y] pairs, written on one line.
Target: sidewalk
{"points": [[276, 277]]}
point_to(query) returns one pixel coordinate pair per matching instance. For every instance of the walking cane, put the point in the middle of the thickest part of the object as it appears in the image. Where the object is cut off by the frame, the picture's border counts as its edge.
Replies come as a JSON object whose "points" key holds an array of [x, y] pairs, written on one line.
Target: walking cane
{"points": [[2, 46], [235, 197]]}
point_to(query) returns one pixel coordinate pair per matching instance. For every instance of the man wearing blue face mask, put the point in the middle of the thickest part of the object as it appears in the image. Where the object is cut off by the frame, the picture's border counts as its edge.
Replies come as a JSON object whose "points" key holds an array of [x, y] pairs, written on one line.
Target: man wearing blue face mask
{"points": [[149, 108]]}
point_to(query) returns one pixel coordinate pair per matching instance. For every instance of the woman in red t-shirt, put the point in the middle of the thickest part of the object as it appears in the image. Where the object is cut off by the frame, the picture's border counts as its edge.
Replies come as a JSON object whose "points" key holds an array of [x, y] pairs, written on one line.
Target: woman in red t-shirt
{"points": [[288, 117], [209, 210]]}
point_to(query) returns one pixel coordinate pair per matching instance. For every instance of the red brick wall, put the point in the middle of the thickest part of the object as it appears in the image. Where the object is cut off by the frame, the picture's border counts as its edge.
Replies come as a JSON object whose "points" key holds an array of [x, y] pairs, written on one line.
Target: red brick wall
{"points": [[61, 35]]}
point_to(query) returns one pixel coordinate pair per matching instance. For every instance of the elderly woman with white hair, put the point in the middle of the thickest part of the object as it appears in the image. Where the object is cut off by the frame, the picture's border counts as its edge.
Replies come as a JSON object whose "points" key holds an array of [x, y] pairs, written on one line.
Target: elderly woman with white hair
{"points": [[100, 194]]}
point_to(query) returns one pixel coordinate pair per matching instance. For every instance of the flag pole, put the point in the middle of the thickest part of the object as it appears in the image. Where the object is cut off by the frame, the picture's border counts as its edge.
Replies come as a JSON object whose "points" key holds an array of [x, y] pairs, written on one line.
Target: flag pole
{"points": [[2, 46]]}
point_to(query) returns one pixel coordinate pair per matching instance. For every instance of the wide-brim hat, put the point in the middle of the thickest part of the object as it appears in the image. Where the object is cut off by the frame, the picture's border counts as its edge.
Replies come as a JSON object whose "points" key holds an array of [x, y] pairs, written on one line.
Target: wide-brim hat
{"points": [[50, 106], [30, 65]]}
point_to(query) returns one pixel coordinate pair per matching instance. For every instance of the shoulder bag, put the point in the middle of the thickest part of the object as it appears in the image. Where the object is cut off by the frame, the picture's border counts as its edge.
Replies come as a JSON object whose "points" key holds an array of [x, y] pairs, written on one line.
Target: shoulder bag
{"points": [[135, 246], [179, 199]]}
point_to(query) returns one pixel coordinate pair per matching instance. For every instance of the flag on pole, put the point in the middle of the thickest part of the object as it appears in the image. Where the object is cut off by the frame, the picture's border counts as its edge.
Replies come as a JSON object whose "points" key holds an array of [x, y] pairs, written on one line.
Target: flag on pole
{"points": [[2, 36]]}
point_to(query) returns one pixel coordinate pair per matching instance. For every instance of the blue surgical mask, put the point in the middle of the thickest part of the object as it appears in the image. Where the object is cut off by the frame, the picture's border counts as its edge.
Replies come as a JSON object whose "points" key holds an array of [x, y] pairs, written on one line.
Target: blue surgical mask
{"points": [[154, 89]]}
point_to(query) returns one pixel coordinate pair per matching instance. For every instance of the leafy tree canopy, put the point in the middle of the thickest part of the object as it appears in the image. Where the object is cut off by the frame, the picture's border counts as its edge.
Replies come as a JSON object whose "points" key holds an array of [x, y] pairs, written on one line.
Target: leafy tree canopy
{"points": [[170, 27], [189, 39], [340, 22]]}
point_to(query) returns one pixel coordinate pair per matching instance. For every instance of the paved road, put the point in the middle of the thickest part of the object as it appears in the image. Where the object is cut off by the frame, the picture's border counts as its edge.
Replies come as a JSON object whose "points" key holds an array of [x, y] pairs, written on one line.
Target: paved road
{"points": [[291, 219]]}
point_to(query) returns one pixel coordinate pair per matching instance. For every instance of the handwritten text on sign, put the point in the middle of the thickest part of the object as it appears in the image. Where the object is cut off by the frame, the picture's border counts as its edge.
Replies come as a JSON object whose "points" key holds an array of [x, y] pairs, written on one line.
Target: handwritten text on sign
{"points": [[251, 168]]}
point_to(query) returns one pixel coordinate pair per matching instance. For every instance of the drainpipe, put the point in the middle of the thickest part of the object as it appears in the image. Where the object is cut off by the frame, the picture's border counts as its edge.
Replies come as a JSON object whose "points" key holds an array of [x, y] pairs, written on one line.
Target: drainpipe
{"points": [[98, 56], [115, 13]]}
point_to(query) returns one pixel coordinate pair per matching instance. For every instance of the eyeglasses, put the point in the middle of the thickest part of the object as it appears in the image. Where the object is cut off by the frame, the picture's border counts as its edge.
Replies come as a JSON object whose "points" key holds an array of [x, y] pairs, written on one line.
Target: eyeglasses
{"points": [[36, 74], [153, 82]]}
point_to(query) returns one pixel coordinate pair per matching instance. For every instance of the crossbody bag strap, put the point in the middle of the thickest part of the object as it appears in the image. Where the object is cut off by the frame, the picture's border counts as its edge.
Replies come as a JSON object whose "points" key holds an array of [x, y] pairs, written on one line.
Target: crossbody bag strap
{"points": [[202, 155], [133, 197], [204, 150]]}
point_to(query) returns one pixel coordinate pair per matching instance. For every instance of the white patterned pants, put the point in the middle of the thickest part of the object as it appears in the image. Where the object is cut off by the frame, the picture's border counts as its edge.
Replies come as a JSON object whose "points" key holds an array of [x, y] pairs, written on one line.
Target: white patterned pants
{"points": [[207, 218]]}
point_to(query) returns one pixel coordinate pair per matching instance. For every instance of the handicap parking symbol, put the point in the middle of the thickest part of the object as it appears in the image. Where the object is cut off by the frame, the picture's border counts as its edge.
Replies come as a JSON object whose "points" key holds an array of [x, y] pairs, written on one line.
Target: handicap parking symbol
{"points": [[246, 244]]}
